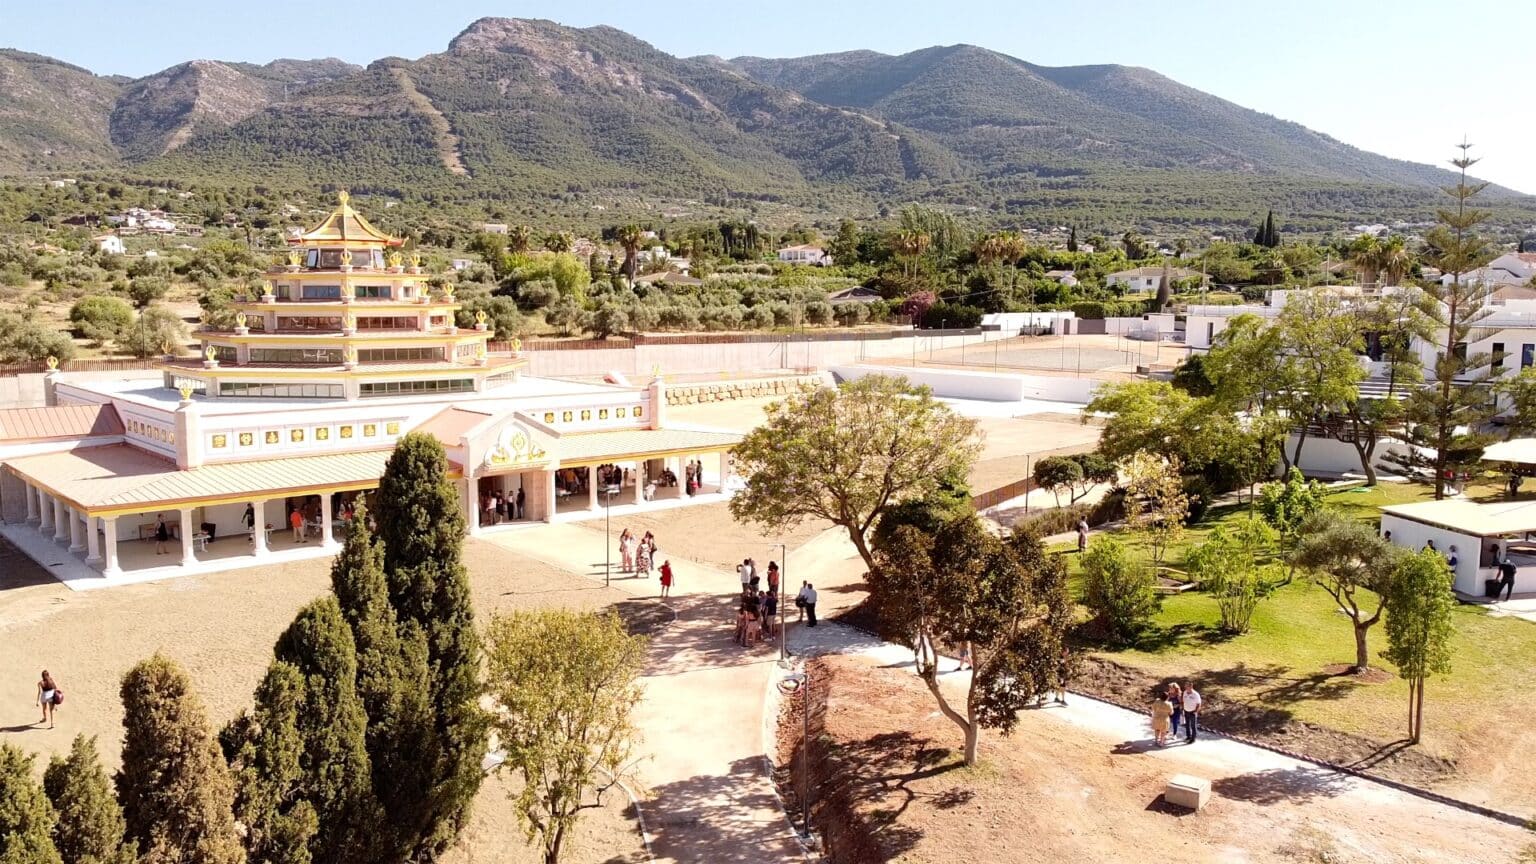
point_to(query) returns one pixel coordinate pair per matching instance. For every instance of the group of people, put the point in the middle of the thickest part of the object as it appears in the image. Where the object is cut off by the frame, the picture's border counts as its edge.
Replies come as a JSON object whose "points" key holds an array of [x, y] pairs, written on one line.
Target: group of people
{"points": [[1176, 704], [498, 507], [757, 613], [637, 555]]}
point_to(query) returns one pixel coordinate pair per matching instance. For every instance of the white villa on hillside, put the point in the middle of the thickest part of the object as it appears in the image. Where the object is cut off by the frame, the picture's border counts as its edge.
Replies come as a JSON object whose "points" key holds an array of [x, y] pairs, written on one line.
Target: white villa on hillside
{"points": [[805, 253], [1144, 280]]}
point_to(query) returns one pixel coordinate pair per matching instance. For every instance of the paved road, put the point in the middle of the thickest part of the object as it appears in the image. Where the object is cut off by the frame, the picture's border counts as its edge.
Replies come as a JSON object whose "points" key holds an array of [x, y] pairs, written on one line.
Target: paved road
{"points": [[707, 796]]}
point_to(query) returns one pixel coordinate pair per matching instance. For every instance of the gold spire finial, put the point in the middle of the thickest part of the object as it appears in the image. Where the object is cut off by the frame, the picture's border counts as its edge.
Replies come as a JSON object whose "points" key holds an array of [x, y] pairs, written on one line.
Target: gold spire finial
{"points": [[210, 352], [343, 197], [240, 319], [185, 388], [53, 363], [479, 316]]}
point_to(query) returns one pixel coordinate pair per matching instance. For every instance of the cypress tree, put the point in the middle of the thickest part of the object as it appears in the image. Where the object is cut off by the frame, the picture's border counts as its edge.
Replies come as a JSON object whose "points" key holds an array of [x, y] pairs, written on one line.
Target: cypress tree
{"points": [[392, 684], [26, 818], [422, 528], [176, 791], [91, 829], [333, 762], [1072, 239], [279, 823]]}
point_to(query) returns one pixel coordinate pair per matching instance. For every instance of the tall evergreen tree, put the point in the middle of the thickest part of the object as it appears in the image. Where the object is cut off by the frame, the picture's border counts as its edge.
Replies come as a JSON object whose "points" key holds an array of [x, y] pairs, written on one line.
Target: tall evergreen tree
{"points": [[1072, 239], [26, 818], [422, 528], [175, 788], [392, 683], [279, 823], [1457, 398], [91, 829]]}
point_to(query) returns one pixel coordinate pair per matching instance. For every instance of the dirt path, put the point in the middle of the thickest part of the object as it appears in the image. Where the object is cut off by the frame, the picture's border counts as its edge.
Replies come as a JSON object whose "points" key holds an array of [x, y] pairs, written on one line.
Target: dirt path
{"points": [[707, 797], [1082, 782]]}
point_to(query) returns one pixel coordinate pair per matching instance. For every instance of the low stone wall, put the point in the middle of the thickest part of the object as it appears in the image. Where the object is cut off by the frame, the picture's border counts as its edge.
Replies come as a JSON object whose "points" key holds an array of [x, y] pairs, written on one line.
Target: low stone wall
{"points": [[725, 391]]}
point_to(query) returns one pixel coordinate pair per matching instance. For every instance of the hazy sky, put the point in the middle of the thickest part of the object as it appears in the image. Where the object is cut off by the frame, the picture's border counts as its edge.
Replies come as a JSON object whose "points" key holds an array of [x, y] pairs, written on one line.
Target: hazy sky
{"points": [[1407, 78]]}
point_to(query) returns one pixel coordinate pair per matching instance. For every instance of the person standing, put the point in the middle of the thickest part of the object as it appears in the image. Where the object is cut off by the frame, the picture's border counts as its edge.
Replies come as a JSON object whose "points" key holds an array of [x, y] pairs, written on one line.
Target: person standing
{"points": [[1506, 578], [1162, 711], [1192, 705], [744, 573], [1175, 697], [773, 578], [626, 551], [769, 602], [162, 534], [807, 603], [666, 578], [248, 519], [1082, 535], [296, 522], [520, 500], [48, 697]]}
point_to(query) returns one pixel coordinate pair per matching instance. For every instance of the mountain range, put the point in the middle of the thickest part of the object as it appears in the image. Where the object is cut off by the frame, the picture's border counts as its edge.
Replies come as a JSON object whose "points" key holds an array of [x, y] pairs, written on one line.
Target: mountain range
{"points": [[533, 109]]}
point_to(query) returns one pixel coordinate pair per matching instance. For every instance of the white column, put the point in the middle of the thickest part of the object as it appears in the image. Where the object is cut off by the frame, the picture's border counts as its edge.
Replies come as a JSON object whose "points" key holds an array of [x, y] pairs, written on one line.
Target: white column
{"points": [[259, 529], [639, 475], [60, 520], [109, 546], [32, 509], [92, 541], [681, 489], [44, 511], [188, 556], [76, 531], [473, 512], [725, 470], [549, 495], [591, 487], [327, 536]]}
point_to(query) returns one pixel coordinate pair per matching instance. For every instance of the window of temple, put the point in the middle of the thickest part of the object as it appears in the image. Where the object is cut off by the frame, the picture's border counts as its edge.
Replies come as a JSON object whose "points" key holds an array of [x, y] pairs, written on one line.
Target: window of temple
{"points": [[263, 390], [403, 388], [376, 292], [316, 323], [395, 355], [313, 356], [322, 292]]}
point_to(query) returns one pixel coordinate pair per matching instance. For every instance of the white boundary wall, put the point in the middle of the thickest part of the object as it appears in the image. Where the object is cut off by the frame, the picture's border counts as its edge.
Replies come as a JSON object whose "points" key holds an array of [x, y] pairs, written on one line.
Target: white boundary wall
{"points": [[986, 386]]}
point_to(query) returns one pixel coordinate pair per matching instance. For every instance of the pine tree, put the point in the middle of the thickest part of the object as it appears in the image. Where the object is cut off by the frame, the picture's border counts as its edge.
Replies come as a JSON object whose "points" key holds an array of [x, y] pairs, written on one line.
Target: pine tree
{"points": [[176, 791], [91, 829], [1072, 239], [392, 683], [422, 528], [1458, 397], [26, 818]]}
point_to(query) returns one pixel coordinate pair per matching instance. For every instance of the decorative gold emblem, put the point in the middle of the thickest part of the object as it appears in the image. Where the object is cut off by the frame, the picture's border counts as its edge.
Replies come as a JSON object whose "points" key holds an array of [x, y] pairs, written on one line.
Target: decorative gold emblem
{"points": [[395, 258], [448, 293], [185, 388], [517, 345], [268, 290], [272, 437], [296, 435], [346, 431], [480, 316], [346, 257], [343, 197], [219, 441], [239, 319], [350, 354], [415, 259], [392, 428], [210, 353], [247, 439], [53, 363], [322, 433], [370, 430], [295, 258], [349, 320], [348, 292]]}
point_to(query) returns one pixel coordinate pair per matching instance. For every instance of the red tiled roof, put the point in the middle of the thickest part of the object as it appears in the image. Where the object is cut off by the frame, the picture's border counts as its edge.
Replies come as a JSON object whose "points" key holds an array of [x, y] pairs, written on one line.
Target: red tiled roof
{"points": [[59, 421], [450, 424]]}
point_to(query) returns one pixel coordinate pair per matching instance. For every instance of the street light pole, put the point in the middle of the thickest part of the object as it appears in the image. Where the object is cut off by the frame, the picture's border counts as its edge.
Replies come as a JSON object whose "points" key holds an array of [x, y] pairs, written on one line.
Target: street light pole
{"points": [[608, 534], [783, 583]]}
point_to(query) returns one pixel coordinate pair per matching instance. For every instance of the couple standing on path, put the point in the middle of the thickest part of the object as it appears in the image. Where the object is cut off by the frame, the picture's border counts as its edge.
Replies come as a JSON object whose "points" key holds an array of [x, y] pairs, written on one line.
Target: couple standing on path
{"points": [[1176, 703]]}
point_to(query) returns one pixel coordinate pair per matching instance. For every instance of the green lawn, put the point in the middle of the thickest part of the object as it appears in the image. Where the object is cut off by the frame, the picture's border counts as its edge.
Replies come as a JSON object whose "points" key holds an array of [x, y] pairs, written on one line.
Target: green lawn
{"points": [[1297, 632]]}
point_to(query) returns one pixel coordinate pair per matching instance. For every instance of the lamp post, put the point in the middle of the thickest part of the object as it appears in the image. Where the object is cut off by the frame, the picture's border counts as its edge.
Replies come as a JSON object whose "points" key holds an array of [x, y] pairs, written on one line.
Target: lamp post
{"points": [[783, 584], [608, 533], [800, 682]]}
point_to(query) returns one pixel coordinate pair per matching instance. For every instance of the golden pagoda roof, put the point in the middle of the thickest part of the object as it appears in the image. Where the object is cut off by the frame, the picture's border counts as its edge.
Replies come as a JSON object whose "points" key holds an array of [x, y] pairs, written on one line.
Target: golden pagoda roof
{"points": [[345, 225]]}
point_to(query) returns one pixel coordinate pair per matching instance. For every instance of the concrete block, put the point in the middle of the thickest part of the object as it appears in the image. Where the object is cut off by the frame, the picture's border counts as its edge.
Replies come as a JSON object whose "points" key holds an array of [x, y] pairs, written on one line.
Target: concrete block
{"points": [[1185, 790]]}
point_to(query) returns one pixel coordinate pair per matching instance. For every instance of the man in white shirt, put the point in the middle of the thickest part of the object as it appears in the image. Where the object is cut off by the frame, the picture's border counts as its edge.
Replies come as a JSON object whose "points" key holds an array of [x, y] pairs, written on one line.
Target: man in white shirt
{"points": [[744, 573], [1192, 703], [806, 600]]}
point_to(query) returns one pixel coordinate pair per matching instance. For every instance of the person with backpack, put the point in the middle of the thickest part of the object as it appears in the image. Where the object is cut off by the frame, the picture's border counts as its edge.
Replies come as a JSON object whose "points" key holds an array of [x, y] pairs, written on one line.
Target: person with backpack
{"points": [[1506, 579], [49, 696]]}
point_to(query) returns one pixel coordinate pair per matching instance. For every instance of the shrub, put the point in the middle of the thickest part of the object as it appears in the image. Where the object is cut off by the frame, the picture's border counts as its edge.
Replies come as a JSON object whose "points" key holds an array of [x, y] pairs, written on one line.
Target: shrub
{"points": [[851, 314], [101, 319], [759, 318], [951, 315], [23, 340], [1119, 590], [818, 312]]}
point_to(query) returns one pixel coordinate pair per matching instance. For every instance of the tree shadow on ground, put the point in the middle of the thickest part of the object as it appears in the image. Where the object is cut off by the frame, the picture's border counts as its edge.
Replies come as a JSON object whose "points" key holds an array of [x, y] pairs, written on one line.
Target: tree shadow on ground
{"points": [[1183, 635], [641, 617], [699, 819], [881, 771], [17, 570], [703, 637], [1384, 753], [1298, 785]]}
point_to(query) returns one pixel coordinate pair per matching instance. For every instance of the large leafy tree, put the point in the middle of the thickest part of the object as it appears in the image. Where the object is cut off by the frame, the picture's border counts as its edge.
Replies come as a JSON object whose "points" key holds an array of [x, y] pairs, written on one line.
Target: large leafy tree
{"points": [[1419, 627], [1457, 403], [1354, 565], [1320, 339], [1006, 598], [91, 829], [26, 818], [565, 686], [176, 791], [422, 528], [846, 454]]}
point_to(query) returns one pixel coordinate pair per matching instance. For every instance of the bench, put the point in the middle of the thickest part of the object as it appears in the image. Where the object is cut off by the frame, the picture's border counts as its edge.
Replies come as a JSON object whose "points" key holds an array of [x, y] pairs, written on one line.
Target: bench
{"points": [[1187, 791]]}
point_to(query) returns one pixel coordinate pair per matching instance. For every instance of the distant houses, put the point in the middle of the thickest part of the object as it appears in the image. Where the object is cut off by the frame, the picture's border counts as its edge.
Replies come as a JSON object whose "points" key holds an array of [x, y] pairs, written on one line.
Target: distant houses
{"points": [[1144, 280], [109, 244], [1510, 270], [805, 253]]}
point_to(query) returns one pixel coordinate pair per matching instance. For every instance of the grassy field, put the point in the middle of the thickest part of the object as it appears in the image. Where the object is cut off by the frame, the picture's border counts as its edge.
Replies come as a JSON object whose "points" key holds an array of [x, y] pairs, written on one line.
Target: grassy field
{"points": [[1287, 665]]}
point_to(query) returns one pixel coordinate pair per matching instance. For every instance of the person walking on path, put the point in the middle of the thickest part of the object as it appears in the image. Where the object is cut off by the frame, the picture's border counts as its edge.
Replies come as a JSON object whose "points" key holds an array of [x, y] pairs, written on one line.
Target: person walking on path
{"points": [[806, 600], [48, 696], [248, 519], [1192, 705], [1162, 712], [1082, 535], [666, 579], [1175, 697], [162, 534]]}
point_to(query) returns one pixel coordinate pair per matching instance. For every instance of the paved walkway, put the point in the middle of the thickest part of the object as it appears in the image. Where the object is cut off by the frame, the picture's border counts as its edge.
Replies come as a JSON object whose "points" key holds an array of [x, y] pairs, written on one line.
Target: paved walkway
{"points": [[707, 798]]}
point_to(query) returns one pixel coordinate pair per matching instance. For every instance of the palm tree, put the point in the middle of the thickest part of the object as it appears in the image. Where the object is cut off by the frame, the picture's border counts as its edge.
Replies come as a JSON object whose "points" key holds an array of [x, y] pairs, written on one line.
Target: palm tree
{"points": [[910, 245], [519, 237], [1011, 247], [559, 241], [629, 237], [1395, 260], [1365, 255]]}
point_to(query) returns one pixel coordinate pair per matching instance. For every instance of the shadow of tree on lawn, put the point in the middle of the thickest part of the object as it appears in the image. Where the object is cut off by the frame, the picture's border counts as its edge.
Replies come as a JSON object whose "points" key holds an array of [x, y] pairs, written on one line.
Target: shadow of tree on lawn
{"points": [[1298, 785]]}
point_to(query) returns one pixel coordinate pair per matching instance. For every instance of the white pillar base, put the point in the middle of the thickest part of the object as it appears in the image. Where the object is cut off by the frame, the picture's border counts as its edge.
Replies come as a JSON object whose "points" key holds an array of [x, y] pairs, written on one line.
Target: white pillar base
{"points": [[188, 556]]}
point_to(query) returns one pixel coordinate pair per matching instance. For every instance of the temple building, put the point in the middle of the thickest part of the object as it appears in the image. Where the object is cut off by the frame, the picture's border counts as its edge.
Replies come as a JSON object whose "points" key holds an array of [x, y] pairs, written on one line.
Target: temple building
{"points": [[291, 412]]}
